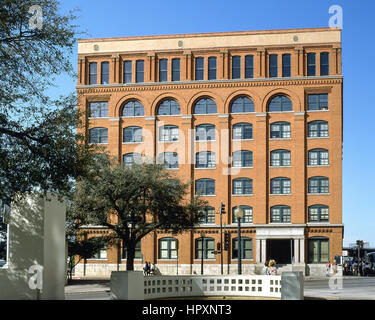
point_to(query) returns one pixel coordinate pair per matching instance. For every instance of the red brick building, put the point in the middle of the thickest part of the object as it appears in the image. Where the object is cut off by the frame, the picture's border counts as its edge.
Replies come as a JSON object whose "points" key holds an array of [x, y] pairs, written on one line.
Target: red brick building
{"points": [[253, 119]]}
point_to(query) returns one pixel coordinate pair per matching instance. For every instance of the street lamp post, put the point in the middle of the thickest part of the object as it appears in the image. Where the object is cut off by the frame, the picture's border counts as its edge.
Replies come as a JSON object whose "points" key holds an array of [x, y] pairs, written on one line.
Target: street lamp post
{"points": [[202, 250], [238, 213]]}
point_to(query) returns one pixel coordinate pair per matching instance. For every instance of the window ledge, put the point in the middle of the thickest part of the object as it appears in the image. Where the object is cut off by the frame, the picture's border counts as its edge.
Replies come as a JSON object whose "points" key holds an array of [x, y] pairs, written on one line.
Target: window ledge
{"points": [[281, 194], [242, 167], [205, 168], [318, 166], [276, 139], [168, 141], [92, 118], [97, 259], [280, 166], [243, 139], [132, 142], [309, 138], [205, 140], [130, 117], [205, 195], [318, 194], [317, 110]]}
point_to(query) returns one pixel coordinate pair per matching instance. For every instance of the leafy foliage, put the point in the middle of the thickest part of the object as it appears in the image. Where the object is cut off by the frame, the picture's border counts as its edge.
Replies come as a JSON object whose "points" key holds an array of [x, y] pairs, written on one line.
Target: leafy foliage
{"points": [[134, 201], [39, 147]]}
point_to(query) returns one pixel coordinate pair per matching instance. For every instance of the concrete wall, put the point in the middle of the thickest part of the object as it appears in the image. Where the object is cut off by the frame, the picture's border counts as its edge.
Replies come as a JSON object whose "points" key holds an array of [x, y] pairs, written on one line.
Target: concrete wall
{"points": [[36, 237]]}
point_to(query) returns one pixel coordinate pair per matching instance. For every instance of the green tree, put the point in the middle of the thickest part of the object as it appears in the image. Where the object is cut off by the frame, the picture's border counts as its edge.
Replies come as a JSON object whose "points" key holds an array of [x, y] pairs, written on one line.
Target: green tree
{"points": [[39, 147], [134, 201]]}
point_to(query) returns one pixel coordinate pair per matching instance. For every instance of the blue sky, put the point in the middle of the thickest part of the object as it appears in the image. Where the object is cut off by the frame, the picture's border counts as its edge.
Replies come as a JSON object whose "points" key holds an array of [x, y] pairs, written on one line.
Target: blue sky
{"points": [[118, 18]]}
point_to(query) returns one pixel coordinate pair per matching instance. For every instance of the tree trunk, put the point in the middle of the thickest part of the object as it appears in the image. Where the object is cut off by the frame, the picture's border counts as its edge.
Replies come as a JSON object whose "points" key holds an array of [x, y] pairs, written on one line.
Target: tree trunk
{"points": [[130, 250]]}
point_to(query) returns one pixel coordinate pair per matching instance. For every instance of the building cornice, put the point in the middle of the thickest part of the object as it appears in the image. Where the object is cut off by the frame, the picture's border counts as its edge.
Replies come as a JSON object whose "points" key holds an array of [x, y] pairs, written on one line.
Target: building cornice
{"points": [[276, 82]]}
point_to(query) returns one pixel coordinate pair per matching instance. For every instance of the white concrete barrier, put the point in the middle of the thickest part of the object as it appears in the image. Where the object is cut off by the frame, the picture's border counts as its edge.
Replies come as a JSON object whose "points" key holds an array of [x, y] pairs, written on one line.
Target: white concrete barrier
{"points": [[155, 287], [36, 262]]}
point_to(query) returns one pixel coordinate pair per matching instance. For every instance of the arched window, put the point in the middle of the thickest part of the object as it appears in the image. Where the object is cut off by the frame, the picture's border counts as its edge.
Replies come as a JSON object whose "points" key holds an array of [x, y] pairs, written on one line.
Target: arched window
{"points": [[318, 157], [169, 107], [280, 214], [280, 103], [168, 248], [318, 129], [242, 159], [130, 158], [247, 216], [242, 131], [208, 215], [246, 248], [280, 185], [318, 213], [205, 159], [242, 186], [168, 133], [133, 134], [133, 108], [280, 130], [205, 246], [169, 159], [318, 185], [318, 250], [205, 106], [205, 132], [205, 187], [98, 135], [280, 158], [242, 104]]}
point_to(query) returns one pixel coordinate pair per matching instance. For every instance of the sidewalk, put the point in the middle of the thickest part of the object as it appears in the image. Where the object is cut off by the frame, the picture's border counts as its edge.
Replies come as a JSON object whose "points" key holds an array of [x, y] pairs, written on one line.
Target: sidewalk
{"points": [[83, 285]]}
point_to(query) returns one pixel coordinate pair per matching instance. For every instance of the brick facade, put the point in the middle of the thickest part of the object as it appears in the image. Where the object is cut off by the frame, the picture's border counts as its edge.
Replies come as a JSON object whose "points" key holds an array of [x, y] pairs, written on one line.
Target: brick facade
{"points": [[223, 91]]}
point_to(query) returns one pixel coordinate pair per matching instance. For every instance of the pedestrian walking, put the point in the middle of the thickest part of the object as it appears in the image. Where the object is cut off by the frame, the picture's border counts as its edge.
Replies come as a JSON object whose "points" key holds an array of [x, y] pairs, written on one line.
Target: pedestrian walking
{"points": [[328, 268]]}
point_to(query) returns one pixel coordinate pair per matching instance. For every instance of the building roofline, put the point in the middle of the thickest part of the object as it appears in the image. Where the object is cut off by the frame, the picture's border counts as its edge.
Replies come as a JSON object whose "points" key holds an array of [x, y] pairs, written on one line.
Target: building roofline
{"points": [[209, 34]]}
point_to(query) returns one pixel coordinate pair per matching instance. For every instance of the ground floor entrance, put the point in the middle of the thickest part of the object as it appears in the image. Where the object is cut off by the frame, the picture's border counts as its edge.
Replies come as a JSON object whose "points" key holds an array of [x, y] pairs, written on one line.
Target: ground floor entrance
{"points": [[280, 250]]}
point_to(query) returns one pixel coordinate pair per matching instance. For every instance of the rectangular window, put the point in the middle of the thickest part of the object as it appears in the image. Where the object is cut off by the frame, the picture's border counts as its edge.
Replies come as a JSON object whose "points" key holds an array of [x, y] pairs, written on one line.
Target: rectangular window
{"points": [[139, 71], [317, 102], [199, 69], [104, 73], [318, 250], [273, 66], [127, 71], [286, 65], [175, 69], [324, 63], [236, 67], [99, 109], [211, 68], [163, 70], [93, 73], [311, 64], [249, 66]]}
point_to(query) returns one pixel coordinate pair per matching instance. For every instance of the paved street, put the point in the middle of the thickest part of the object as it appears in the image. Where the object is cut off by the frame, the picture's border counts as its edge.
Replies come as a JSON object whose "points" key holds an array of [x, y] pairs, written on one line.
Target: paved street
{"points": [[361, 288]]}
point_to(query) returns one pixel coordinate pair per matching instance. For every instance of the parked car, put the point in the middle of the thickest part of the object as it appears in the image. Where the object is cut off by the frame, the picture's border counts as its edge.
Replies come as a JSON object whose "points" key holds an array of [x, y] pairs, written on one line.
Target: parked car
{"points": [[2, 263]]}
